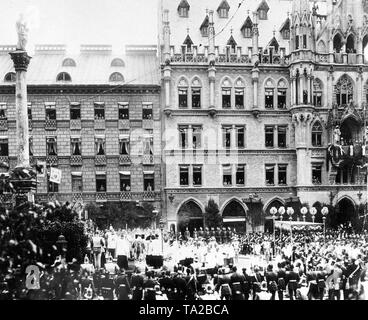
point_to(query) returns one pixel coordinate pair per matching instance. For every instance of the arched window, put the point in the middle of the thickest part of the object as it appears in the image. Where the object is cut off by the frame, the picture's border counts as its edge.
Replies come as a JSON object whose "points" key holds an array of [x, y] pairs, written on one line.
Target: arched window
{"points": [[281, 94], [317, 93], [365, 47], [344, 90], [68, 62], [10, 77], [116, 77], [226, 93], [321, 48], [239, 93], [117, 62], [183, 93], [196, 93], [63, 76], [317, 134], [337, 43], [350, 44], [269, 94]]}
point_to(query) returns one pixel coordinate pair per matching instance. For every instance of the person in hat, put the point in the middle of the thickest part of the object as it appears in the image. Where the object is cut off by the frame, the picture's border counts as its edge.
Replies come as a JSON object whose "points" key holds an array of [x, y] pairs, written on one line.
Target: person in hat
{"points": [[271, 278], [302, 291], [263, 294], [210, 294]]}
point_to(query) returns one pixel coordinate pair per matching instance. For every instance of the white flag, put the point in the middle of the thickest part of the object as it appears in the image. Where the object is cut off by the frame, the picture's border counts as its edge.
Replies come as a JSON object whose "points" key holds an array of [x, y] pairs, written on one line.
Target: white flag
{"points": [[55, 175]]}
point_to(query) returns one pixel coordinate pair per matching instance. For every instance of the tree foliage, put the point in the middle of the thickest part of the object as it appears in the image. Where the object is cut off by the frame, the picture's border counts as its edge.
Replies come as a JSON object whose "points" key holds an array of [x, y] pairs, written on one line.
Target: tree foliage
{"points": [[212, 216]]}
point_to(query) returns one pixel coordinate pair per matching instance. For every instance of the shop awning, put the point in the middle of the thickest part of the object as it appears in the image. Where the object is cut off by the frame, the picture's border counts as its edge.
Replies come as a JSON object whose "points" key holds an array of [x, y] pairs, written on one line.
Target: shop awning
{"points": [[234, 219]]}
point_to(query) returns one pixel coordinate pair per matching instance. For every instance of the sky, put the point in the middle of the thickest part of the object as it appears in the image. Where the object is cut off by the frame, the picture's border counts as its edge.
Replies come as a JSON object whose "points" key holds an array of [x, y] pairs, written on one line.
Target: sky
{"points": [[76, 22]]}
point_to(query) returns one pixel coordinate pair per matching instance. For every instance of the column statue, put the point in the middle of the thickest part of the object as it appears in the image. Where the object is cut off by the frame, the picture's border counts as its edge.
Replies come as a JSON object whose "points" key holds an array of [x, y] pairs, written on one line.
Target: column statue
{"points": [[22, 30]]}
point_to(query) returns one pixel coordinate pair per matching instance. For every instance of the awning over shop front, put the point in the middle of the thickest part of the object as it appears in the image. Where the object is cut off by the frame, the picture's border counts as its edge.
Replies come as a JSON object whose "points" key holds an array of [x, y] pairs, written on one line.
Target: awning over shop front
{"points": [[234, 219]]}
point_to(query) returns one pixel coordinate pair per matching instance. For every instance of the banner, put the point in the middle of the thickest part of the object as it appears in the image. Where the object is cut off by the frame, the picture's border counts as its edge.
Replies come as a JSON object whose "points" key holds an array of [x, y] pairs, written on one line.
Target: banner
{"points": [[55, 175]]}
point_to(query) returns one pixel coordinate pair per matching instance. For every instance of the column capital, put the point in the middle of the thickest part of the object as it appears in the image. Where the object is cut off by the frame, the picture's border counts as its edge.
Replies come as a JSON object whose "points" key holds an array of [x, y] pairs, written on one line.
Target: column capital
{"points": [[21, 60]]}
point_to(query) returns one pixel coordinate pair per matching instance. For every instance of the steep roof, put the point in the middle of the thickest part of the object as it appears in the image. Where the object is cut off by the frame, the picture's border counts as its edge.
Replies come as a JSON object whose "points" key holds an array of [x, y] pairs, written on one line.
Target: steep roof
{"points": [[183, 4], [263, 6], [231, 41], [223, 5], [205, 22], [248, 23], [92, 68], [285, 25], [188, 41]]}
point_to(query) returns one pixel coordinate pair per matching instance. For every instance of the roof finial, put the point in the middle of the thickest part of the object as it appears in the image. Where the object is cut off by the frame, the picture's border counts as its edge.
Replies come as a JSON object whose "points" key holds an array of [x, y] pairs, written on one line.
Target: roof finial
{"points": [[248, 11], [187, 30], [274, 30], [206, 11], [231, 30]]}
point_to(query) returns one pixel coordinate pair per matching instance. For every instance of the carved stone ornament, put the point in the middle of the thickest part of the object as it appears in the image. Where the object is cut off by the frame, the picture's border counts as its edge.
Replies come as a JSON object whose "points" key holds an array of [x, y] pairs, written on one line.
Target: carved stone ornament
{"points": [[212, 112], [21, 60]]}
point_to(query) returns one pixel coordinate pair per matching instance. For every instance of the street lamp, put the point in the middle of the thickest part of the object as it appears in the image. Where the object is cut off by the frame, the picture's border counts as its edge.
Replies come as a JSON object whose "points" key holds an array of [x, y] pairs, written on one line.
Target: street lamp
{"points": [[290, 212], [273, 212], [313, 213], [281, 212], [155, 213], [324, 212], [162, 225], [304, 212]]}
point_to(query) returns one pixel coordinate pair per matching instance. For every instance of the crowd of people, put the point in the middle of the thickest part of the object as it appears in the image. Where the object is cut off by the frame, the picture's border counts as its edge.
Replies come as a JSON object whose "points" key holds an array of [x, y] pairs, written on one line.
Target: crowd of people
{"points": [[143, 264]]}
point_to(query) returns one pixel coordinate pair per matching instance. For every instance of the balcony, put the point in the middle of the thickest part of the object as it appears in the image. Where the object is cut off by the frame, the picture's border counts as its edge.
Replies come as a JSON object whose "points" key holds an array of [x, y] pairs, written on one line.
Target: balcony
{"points": [[101, 197], [124, 124], [52, 160], [149, 195], [50, 124], [125, 196], [76, 160], [148, 159], [124, 159], [100, 124], [78, 197], [100, 160], [3, 124], [75, 124], [232, 58], [147, 124]]}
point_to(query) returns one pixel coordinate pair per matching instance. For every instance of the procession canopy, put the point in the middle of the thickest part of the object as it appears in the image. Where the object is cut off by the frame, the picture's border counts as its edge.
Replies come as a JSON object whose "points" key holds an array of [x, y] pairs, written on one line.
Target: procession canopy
{"points": [[298, 225]]}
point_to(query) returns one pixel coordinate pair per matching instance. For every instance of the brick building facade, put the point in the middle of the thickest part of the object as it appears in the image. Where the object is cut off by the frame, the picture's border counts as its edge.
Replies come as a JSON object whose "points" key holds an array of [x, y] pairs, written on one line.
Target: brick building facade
{"points": [[95, 116]]}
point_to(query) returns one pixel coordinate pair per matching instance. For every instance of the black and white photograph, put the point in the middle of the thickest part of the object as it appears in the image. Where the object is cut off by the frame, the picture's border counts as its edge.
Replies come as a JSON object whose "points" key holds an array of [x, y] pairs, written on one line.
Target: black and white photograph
{"points": [[184, 150]]}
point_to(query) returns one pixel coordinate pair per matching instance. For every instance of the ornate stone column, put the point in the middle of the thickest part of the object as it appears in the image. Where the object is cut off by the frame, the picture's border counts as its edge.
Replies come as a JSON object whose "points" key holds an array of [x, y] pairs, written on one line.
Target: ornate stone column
{"points": [[255, 80], [255, 38]]}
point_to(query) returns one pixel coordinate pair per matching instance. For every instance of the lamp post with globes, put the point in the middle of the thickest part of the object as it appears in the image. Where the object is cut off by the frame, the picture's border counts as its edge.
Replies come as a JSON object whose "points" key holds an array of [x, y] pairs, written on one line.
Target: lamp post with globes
{"points": [[304, 212], [313, 213], [281, 213], [273, 212], [324, 212], [290, 212]]}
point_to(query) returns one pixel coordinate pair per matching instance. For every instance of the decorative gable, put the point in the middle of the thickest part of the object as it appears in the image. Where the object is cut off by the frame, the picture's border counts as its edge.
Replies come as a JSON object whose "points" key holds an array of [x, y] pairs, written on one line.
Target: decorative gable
{"points": [[285, 29], [247, 28], [231, 42], [188, 41], [274, 43], [204, 26], [223, 9], [263, 9], [183, 8]]}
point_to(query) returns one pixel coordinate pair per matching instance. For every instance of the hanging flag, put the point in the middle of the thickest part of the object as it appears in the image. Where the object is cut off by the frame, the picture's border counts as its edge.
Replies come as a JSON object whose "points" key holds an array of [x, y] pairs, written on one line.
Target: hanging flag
{"points": [[41, 169], [55, 175]]}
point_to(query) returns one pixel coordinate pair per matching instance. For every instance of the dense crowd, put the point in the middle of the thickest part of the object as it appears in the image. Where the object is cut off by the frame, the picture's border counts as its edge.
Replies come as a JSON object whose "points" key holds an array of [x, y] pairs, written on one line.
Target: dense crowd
{"points": [[140, 264]]}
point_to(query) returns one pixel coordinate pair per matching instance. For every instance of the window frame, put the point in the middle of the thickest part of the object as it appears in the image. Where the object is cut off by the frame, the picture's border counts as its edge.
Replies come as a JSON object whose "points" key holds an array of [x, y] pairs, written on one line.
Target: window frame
{"points": [[270, 168], [193, 175]]}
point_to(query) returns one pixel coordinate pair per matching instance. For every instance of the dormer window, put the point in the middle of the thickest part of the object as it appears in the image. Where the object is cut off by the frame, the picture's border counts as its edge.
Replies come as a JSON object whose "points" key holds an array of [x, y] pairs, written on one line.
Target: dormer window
{"points": [[263, 10], [64, 77], [183, 9], [188, 43], [285, 29], [204, 27], [68, 62], [117, 62], [116, 77], [247, 28], [10, 77], [223, 9], [232, 43]]}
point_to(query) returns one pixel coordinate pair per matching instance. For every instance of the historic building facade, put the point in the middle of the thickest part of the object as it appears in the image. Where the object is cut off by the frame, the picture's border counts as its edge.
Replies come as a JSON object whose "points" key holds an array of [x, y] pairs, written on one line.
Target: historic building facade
{"points": [[95, 116], [264, 106]]}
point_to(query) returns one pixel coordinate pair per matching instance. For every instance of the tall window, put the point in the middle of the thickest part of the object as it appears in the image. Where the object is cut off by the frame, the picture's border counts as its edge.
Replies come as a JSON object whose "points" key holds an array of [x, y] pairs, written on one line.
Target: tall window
{"points": [[297, 42], [240, 136], [270, 175], [183, 137], [183, 9], [77, 182], [269, 136], [148, 143], [100, 143], [125, 181], [317, 135], [239, 98], [4, 147], [197, 175], [204, 27], [227, 175], [226, 98], [282, 174], [148, 181], [50, 112], [197, 137], [247, 28], [344, 91], [223, 13], [240, 175], [3, 112], [123, 111], [196, 98], [281, 94], [99, 111], [51, 146], [147, 113], [269, 92], [183, 98], [31, 146], [281, 136], [184, 175], [317, 93], [226, 136], [124, 147], [76, 146], [51, 186], [29, 112], [262, 14], [100, 182], [317, 174], [75, 112]]}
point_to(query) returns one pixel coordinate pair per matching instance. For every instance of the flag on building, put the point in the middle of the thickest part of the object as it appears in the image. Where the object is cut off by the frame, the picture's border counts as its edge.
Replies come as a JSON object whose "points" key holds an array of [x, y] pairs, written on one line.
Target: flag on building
{"points": [[55, 175]]}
